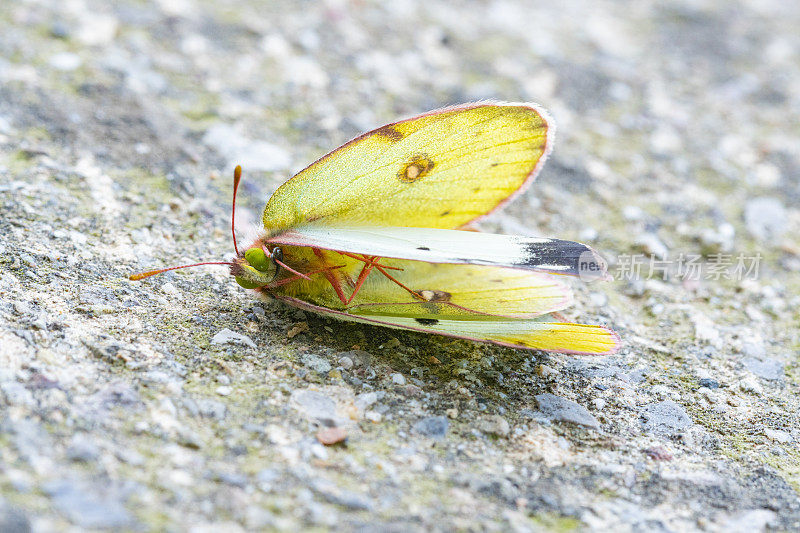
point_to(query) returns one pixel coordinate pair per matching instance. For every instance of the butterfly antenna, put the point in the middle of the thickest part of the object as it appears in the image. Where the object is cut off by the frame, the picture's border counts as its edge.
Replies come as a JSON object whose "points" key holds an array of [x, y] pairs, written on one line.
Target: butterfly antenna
{"points": [[237, 177], [142, 275]]}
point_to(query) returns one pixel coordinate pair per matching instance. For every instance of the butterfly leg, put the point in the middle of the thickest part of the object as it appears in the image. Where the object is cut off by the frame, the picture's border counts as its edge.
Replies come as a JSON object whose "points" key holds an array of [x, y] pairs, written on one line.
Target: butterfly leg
{"points": [[413, 293], [371, 262], [362, 277], [365, 260], [331, 278]]}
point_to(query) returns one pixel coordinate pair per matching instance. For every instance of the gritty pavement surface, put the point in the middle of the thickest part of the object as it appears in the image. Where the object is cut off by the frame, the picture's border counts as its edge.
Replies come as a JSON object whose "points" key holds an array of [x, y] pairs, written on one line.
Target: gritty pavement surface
{"points": [[184, 403]]}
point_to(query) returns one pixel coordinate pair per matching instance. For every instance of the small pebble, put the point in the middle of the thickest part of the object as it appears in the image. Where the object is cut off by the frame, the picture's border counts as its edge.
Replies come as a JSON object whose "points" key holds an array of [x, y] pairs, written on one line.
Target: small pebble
{"points": [[316, 363], [545, 371], [709, 383], [765, 218], [432, 426], [331, 435], [494, 425], [769, 369], [226, 336], [658, 453], [598, 299], [373, 416], [297, 329], [750, 384], [558, 409], [665, 418], [65, 61], [778, 435]]}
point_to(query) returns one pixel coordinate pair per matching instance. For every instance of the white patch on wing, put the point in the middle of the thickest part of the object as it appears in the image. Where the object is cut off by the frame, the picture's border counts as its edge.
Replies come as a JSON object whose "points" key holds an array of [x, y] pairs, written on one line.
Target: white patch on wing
{"points": [[442, 246], [554, 267]]}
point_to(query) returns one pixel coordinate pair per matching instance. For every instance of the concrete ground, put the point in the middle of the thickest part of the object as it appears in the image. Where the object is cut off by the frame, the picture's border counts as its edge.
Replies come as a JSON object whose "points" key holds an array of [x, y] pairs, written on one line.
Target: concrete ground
{"points": [[182, 403]]}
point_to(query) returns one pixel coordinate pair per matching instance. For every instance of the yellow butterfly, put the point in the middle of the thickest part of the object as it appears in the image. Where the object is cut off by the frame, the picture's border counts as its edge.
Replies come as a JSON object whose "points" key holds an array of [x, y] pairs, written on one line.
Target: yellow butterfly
{"points": [[369, 233]]}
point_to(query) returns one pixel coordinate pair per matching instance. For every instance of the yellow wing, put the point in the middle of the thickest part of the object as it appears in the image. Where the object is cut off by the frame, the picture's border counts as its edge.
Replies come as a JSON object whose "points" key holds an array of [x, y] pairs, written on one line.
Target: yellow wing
{"points": [[446, 290], [438, 170], [491, 304], [527, 334]]}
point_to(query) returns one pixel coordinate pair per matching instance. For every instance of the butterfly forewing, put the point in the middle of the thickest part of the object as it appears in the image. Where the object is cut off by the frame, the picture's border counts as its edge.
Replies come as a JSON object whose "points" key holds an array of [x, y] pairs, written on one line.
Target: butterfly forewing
{"points": [[438, 170], [450, 246]]}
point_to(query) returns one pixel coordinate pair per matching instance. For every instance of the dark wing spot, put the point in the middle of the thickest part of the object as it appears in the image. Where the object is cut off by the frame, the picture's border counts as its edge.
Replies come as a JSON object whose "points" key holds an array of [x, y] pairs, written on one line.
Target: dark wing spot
{"points": [[424, 248], [427, 321], [444, 213], [390, 133], [417, 167], [476, 189], [494, 164], [435, 295]]}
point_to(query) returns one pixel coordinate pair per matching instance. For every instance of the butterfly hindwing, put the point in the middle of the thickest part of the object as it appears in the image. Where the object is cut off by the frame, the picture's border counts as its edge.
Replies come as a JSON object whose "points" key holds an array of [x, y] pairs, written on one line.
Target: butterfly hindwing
{"points": [[420, 289], [531, 334]]}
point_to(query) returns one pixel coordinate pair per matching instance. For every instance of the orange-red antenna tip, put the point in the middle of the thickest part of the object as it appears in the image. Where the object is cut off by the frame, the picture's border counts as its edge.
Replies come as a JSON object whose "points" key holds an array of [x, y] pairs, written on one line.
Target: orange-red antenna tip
{"points": [[142, 275], [237, 177]]}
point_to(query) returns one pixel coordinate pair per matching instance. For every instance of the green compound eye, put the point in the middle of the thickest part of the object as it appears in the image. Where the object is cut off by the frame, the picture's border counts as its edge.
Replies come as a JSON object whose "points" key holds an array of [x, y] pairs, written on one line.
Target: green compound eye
{"points": [[258, 259]]}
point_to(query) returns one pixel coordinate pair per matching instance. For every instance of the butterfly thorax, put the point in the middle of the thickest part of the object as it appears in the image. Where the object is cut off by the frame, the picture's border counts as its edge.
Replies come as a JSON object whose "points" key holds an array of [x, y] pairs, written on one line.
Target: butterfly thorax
{"points": [[295, 271], [320, 266]]}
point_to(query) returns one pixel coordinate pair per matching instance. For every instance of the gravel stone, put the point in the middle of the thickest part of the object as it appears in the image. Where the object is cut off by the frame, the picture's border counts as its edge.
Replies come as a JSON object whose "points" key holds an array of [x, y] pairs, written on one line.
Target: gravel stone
{"points": [[432, 426], [211, 408], [665, 418], [86, 508], [83, 449], [769, 369], [494, 425], [16, 394], [709, 383], [765, 218], [750, 520], [365, 399], [557, 409], [316, 363], [345, 498], [314, 404], [13, 519], [226, 336]]}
